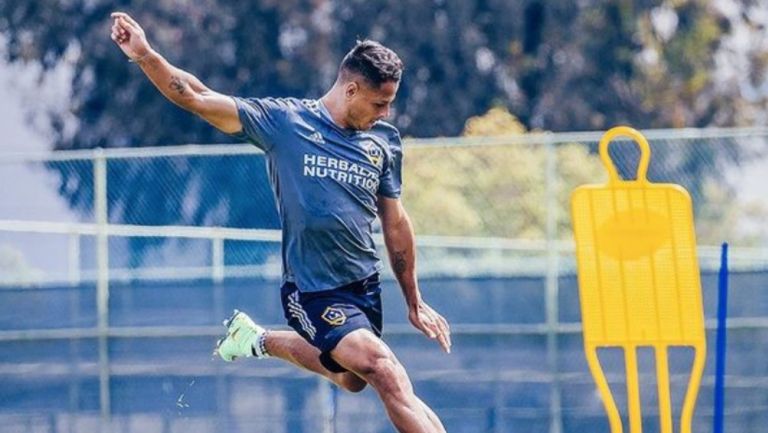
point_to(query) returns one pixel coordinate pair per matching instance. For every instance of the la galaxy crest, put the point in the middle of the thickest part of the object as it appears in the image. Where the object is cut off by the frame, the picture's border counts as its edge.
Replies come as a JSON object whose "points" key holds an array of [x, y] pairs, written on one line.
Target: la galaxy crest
{"points": [[334, 316], [374, 153]]}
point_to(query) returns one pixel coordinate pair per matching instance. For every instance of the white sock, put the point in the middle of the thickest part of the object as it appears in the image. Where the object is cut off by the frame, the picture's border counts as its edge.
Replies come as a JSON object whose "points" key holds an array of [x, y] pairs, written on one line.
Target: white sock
{"points": [[259, 347]]}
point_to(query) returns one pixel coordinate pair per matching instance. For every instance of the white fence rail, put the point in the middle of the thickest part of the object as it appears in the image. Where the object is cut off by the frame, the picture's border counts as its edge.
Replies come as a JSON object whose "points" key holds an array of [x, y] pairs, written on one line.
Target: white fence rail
{"points": [[461, 256]]}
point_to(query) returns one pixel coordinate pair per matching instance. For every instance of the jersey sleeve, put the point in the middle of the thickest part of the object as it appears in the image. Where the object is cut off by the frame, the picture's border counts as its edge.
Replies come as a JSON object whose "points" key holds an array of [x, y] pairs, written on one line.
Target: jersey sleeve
{"points": [[391, 179], [261, 119]]}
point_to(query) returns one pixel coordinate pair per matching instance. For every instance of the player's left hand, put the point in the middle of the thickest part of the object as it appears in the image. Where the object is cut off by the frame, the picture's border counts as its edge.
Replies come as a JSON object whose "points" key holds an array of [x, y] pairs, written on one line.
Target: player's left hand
{"points": [[432, 324]]}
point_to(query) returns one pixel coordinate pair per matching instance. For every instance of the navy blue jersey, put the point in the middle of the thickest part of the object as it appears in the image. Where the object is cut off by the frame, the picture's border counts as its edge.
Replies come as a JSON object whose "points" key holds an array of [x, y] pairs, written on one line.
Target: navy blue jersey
{"points": [[326, 180]]}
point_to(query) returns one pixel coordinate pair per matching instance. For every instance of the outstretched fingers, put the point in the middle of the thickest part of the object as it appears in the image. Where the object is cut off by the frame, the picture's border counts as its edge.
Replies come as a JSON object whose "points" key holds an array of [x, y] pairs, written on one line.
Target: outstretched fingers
{"points": [[434, 326], [444, 336], [442, 331], [428, 326]]}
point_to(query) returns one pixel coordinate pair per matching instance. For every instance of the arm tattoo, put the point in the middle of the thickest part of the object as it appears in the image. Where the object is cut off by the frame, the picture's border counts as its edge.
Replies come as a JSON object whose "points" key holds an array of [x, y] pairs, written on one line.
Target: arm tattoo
{"points": [[398, 262], [177, 84]]}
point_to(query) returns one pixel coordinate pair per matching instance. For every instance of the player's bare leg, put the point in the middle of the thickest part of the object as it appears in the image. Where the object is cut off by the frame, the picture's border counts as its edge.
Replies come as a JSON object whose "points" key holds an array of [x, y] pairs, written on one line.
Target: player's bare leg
{"points": [[366, 357], [245, 339], [370, 358], [291, 347]]}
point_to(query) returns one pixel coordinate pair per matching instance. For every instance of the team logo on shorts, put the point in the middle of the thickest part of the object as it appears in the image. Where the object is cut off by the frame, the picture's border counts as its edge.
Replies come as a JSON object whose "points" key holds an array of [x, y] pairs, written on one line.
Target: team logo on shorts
{"points": [[334, 316]]}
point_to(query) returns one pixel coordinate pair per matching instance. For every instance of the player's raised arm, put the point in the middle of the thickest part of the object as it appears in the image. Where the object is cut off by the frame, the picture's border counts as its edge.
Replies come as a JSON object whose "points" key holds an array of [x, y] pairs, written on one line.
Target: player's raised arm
{"points": [[181, 87]]}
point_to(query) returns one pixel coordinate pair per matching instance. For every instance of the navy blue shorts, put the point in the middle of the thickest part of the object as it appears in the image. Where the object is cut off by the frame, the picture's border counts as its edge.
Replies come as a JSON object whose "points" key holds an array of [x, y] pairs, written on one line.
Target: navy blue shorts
{"points": [[324, 318]]}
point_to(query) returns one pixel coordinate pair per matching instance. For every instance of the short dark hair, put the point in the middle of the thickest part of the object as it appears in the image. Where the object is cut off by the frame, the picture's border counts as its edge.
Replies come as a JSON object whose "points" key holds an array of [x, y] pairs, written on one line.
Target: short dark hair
{"points": [[373, 61]]}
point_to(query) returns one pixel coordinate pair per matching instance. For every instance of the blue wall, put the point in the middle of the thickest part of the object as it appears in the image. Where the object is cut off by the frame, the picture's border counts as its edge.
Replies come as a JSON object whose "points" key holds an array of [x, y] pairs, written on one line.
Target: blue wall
{"points": [[490, 383]]}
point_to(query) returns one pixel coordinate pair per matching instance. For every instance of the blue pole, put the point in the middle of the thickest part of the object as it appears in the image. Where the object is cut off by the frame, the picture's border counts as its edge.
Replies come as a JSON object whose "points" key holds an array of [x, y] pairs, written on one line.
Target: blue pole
{"points": [[722, 314]]}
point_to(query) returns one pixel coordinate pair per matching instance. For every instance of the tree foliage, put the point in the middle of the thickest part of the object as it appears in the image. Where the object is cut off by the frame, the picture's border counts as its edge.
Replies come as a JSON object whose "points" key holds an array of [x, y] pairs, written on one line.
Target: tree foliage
{"points": [[556, 65], [493, 189]]}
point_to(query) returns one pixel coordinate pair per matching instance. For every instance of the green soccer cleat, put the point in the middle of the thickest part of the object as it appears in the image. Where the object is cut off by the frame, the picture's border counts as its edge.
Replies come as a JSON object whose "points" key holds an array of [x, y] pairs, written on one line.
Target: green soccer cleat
{"points": [[244, 339]]}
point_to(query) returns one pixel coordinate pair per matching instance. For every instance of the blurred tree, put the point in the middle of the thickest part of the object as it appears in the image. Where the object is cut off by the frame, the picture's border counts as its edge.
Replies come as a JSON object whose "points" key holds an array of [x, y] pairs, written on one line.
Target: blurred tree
{"points": [[556, 65], [723, 217], [254, 49], [270, 47], [492, 188]]}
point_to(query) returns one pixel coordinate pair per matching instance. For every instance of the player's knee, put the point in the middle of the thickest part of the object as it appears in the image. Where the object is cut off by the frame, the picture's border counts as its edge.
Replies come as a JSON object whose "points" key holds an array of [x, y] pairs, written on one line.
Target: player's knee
{"points": [[386, 374]]}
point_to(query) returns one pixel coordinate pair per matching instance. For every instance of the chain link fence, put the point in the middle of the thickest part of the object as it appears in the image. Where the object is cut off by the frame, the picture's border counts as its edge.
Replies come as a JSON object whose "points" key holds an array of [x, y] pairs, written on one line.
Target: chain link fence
{"points": [[480, 206], [189, 232]]}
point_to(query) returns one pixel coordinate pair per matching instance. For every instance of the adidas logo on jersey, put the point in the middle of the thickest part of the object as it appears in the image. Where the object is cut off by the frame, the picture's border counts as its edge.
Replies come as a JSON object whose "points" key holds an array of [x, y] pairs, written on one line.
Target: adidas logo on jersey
{"points": [[317, 137]]}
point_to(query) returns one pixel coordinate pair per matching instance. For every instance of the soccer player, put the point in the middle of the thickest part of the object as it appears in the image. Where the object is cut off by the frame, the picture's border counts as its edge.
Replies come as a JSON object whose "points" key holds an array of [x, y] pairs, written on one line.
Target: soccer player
{"points": [[334, 166]]}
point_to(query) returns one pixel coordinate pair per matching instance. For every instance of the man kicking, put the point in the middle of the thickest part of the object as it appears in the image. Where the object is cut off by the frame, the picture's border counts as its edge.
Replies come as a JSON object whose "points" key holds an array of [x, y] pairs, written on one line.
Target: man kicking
{"points": [[334, 166]]}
